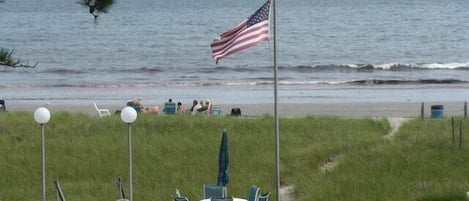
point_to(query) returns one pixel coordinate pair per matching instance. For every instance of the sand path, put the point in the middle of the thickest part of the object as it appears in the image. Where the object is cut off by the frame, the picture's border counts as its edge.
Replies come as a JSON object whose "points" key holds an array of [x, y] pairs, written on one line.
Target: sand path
{"points": [[286, 192]]}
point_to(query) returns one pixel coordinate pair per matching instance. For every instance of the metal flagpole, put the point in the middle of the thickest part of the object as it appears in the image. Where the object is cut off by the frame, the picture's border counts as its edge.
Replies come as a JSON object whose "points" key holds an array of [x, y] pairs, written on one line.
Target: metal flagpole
{"points": [[277, 130]]}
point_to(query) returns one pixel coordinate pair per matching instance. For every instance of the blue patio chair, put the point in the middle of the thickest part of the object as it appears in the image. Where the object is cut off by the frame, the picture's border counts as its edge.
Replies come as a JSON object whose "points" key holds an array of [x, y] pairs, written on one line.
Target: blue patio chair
{"points": [[253, 193], [214, 191], [264, 197], [170, 108]]}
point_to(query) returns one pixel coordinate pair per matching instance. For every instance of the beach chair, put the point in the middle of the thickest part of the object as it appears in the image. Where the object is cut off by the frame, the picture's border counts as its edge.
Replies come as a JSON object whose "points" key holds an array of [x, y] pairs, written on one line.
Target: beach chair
{"points": [[214, 191], [120, 188], [264, 197], [58, 189], [179, 197], [253, 193], [170, 108], [216, 111], [236, 112], [101, 112], [3, 107]]}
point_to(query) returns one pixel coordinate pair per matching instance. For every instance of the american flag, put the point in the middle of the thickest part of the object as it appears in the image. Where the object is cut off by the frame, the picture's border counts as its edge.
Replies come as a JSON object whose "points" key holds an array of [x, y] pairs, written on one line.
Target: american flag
{"points": [[248, 33]]}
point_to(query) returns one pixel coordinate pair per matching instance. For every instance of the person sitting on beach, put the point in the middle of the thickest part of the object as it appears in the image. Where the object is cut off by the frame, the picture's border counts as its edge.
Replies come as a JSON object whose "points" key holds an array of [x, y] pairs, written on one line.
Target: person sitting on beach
{"points": [[180, 108], [152, 110], [194, 103], [203, 107], [136, 103], [197, 108], [208, 106]]}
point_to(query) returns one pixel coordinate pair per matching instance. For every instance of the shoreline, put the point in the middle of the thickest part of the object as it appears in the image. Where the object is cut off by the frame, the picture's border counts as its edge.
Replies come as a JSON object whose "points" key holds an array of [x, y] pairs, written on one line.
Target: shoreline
{"points": [[346, 109]]}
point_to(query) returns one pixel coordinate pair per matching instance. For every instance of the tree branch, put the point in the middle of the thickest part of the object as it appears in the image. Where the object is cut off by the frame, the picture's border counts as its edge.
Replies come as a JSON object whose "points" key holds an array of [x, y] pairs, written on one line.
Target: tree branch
{"points": [[6, 59]]}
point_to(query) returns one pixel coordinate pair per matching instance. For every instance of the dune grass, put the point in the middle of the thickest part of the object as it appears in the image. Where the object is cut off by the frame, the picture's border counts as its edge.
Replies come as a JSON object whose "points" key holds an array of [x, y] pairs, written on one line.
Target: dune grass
{"points": [[87, 154]]}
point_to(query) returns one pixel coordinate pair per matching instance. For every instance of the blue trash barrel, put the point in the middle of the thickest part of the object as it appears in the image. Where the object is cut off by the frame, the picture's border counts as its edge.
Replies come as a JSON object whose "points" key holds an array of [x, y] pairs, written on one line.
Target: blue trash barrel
{"points": [[437, 111]]}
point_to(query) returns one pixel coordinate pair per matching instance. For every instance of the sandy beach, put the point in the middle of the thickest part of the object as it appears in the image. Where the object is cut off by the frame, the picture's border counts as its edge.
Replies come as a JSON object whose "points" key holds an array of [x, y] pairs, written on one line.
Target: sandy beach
{"points": [[365, 109]]}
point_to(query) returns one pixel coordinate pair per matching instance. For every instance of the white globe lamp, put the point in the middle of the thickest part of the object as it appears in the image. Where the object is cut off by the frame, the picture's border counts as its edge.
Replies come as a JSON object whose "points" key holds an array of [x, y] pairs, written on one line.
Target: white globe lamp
{"points": [[128, 114], [42, 115]]}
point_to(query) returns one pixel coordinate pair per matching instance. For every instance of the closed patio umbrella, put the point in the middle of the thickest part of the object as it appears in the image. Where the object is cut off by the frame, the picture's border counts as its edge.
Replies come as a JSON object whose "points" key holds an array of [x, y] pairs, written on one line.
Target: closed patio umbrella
{"points": [[223, 161]]}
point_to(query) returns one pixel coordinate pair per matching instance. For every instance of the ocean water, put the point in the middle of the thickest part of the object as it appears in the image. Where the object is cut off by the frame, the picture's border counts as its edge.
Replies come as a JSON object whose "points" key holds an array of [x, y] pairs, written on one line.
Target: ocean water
{"points": [[328, 51]]}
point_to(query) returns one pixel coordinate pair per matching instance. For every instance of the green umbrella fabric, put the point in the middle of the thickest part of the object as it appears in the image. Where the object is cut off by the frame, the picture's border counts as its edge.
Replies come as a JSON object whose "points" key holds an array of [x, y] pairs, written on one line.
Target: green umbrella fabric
{"points": [[223, 161]]}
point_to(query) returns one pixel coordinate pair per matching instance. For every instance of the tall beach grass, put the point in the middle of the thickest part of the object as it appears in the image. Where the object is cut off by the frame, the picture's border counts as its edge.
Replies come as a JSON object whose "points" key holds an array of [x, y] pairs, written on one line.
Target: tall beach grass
{"points": [[87, 154]]}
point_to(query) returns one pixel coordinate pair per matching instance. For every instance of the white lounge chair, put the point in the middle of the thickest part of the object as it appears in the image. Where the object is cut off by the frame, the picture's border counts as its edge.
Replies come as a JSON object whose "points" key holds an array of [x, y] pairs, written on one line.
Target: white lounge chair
{"points": [[179, 197], [101, 112], [58, 189]]}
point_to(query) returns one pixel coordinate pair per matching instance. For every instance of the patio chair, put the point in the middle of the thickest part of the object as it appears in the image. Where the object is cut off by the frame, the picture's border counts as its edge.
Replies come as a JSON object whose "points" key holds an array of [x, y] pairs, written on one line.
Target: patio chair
{"points": [[264, 197], [214, 191], [253, 193], [58, 189], [101, 112], [120, 188], [170, 108], [3, 107]]}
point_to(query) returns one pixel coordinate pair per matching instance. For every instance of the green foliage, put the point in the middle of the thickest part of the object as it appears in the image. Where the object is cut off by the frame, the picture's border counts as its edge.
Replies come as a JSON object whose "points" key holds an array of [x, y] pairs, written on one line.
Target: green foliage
{"points": [[98, 5], [6, 59], [87, 154], [103, 5]]}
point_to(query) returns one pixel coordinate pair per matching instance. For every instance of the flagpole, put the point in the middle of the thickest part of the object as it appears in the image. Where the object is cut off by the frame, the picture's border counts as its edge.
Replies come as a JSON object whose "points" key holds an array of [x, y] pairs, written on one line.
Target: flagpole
{"points": [[277, 130]]}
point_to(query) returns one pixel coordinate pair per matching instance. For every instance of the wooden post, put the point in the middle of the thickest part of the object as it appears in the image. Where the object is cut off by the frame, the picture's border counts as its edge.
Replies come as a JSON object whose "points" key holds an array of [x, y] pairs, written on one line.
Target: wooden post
{"points": [[452, 127], [465, 110], [422, 111], [460, 135]]}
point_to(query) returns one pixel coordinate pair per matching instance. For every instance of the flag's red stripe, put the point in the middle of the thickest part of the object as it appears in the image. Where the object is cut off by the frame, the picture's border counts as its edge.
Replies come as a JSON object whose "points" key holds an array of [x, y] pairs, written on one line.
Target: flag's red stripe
{"points": [[221, 47], [233, 44], [241, 48], [225, 52], [223, 42], [235, 30], [226, 40], [236, 48]]}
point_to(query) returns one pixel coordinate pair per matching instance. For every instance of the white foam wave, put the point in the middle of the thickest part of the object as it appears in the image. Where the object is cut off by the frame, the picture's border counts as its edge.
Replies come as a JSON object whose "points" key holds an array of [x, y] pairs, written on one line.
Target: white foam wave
{"points": [[388, 66], [446, 65], [313, 82]]}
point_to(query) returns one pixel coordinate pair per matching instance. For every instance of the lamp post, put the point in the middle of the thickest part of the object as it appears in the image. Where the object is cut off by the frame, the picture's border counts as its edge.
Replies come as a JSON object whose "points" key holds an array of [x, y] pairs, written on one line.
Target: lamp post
{"points": [[129, 115], [42, 116]]}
